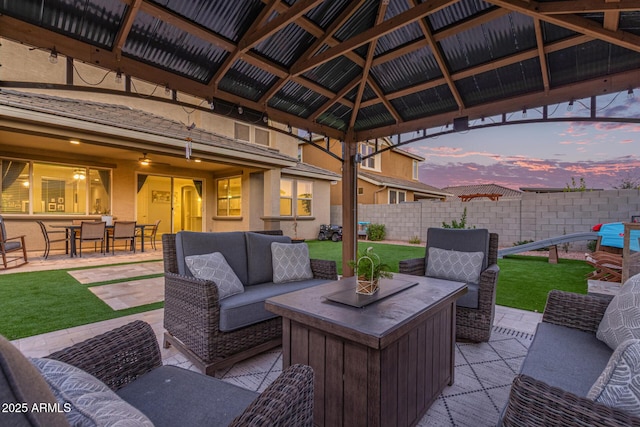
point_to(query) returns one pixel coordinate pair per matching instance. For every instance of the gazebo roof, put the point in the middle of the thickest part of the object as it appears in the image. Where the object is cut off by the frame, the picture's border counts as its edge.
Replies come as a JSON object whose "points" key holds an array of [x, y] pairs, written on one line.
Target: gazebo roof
{"points": [[350, 69]]}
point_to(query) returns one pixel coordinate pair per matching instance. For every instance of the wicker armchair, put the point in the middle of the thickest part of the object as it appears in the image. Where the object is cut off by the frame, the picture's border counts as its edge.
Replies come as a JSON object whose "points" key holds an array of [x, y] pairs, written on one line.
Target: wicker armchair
{"points": [[535, 403], [121, 356], [192, 314], [472, 324]]}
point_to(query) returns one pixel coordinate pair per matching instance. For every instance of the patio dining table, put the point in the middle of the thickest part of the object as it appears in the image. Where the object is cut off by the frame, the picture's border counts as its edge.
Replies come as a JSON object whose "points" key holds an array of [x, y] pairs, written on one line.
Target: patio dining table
{"points": [[73, 228]]}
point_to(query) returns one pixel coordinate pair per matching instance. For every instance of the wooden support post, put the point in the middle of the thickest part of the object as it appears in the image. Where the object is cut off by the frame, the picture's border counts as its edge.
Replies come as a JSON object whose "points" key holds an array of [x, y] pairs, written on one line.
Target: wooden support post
{"points": [[553, 254], [349, 205]]}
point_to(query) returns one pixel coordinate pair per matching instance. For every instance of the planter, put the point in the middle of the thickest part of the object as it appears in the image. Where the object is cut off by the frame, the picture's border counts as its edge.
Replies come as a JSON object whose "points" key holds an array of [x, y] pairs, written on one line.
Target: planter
{"points": [[108, 219], [367, 287]]}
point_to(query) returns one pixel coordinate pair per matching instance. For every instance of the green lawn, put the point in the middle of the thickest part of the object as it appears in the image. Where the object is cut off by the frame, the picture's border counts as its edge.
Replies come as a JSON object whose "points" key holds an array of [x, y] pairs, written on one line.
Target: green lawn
{"points": [[33, 303]]}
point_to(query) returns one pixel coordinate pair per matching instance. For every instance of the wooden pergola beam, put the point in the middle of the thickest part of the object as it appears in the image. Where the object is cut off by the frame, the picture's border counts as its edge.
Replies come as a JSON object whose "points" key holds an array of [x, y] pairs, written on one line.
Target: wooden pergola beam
{"points": [[125, 28], [544, 71], [587, 6]]}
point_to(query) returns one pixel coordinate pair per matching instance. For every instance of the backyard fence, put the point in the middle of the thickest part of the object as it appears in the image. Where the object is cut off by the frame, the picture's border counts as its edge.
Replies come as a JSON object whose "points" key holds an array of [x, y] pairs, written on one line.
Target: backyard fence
{"points": [[532, 217]]}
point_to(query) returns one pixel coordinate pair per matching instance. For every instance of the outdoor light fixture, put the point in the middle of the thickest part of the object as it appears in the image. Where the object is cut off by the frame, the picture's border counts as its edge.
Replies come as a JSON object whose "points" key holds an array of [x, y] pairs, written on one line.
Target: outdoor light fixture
{"points": [[630, 94], [53, 58], [118, 77], [240, 110], [524, 113], [289, 129], [265, 118], [570, 106], [74, 142], [167, 89], [79, 174], [144, 160], [212, 105]]}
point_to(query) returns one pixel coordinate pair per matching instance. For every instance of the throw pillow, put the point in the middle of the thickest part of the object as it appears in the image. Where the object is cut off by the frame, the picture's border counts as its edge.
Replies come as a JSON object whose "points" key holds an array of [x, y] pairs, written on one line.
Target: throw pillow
{"points": [[619, 384], [621, 320], [290, 262], [214, 267], [85, 400], [454, 265]]}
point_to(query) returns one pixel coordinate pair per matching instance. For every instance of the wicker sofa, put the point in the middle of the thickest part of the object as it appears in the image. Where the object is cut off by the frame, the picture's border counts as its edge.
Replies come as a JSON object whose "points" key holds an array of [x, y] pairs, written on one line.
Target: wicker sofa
{"points": [[563, 362], [212, 332], [127, 360]]}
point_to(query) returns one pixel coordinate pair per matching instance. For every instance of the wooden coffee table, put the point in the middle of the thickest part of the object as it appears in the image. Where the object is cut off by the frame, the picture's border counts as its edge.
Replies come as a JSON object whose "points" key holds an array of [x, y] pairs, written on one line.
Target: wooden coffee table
{"points": [[380, 365]]}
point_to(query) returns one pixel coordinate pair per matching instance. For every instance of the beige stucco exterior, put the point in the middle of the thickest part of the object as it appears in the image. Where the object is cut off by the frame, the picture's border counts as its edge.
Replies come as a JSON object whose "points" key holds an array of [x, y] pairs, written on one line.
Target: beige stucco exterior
{"points": [[29, 138]]}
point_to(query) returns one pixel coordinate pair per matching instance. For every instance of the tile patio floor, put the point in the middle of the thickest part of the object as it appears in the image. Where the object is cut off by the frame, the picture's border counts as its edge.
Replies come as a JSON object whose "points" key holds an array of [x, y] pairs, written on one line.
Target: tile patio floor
{"points": [[137, 292]]}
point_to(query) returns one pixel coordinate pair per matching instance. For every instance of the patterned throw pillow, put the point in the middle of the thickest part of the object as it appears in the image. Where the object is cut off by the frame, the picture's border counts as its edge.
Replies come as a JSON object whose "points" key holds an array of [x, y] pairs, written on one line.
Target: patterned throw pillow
{"points": [[455, 265], [214, 267], [619, 384], [85, 400], [290, 262], [621, 320]]}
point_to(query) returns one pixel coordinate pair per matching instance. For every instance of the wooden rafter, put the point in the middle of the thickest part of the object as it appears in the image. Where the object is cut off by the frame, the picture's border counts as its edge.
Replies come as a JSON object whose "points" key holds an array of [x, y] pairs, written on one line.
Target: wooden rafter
{"points": [[383, 98], [233, 56], [442, 64], [612, 17], [574, 23], [353, 83], [386, 27], [125, 28], [541, 55], [382, 9], [590, 6]]}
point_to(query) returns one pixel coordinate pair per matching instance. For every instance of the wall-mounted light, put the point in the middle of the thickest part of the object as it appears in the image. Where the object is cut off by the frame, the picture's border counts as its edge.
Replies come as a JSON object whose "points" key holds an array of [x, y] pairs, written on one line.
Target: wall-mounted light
{"points": [[524, 113], [570, 106], [167, 89], [79, 174], [289, 129], [240, 110], [212, 105], [630, 94], [265, 118], [118, 77], [53, 58]]}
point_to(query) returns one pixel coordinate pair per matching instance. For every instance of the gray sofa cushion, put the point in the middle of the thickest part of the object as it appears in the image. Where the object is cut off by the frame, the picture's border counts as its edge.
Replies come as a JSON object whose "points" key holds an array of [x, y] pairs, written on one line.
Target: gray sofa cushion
{"points": [[230, 244], [215, 268], [455, 265], [86, 400], [621, 320], [476, 240], [290, 262], [617, 386], [164, 394], [566, 357], [470, 299], [259, 256], [247, 308], [21, 382]]}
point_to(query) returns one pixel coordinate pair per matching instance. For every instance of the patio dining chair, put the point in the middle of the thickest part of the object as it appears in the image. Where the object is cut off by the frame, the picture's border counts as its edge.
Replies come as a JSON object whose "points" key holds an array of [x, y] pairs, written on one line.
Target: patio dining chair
{"points": [[92, 231], [9, 245], [53, 236], [449, 256], [123, 230], [151, 233]]}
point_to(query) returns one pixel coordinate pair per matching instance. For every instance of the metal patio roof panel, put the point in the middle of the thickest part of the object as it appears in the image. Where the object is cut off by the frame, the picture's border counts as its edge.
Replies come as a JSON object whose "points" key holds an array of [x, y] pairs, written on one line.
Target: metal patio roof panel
{"points": [[230, 19], [326, 12], [425, 103], [407, 70], [173, 49], [552, 33], [285, 46], [630, 21], [337, 116], [589, 60], [457, 12], [334, 74], [96, 22], [373, 116], [296, 99], [247, 81], [363, 19], [501, 37], [511, 80], [401, 36]]}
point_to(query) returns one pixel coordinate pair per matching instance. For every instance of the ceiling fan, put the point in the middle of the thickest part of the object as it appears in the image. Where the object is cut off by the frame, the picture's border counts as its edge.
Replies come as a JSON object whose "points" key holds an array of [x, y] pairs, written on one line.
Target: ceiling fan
{"points": [[145, 160]]}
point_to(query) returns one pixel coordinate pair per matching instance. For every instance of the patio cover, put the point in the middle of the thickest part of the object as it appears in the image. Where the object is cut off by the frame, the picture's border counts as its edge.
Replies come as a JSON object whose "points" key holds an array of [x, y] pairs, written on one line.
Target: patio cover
{"points": [[350, 69]]}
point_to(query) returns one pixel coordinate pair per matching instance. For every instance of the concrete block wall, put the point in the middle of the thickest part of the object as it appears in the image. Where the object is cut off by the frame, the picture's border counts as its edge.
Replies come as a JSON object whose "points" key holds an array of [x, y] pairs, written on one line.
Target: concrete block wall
{"points": [[533, 217]]}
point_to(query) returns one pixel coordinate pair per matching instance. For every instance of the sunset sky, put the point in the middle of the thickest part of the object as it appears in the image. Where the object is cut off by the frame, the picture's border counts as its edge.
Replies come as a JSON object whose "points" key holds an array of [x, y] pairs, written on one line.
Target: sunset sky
{"points": [[540, 155]]}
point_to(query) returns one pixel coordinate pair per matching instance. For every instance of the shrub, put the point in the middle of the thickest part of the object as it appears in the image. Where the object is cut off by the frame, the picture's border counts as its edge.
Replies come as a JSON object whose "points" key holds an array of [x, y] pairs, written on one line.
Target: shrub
{"points": [[591, 245], [456, 224], [415, 240], [376, 232]]}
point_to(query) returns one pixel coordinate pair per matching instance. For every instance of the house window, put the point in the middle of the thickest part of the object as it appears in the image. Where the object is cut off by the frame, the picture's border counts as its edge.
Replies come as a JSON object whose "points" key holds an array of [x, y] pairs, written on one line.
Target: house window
{"points": [[300, 153], [302, 192], [241, 132], [229, 196], [415, 169], [396, 196], [261, 136], [360, 191], [48, 188], [371, 162]]}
